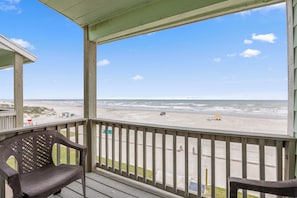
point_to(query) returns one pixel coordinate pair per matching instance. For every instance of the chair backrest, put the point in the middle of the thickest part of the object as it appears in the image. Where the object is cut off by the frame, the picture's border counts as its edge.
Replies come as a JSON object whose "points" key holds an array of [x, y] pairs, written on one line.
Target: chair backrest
{"points": [[32, 150]]}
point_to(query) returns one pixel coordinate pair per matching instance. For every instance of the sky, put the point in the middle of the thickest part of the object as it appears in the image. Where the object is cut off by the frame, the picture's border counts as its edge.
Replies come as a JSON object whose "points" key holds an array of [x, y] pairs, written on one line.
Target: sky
{"points": [[238, 56]]}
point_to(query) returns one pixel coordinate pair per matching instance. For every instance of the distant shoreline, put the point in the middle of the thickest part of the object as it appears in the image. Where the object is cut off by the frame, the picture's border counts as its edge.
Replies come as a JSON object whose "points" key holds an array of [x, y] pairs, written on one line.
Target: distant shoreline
{"points": [[257, 123]]}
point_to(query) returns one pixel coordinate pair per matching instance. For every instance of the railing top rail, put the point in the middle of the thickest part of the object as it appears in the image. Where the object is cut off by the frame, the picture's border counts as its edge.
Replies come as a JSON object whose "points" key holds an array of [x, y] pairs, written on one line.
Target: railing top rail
{"points": [[7, 112], [186, 130], [41, 126]]}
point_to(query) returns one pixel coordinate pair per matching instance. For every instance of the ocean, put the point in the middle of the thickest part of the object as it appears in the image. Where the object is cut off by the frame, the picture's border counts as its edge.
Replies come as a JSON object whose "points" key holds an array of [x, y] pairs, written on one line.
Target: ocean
{"points": [[266, 108], [249, 108]]}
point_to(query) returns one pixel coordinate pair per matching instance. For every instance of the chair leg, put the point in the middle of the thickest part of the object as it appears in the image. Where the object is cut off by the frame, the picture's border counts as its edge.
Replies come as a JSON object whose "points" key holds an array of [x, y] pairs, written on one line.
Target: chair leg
{"points": [[83, 182], [233, 192], [58, 192]]}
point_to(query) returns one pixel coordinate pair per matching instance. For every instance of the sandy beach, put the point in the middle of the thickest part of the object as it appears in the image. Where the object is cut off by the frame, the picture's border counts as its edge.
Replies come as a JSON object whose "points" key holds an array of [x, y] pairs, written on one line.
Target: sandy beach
{"points": [[181, 119]]}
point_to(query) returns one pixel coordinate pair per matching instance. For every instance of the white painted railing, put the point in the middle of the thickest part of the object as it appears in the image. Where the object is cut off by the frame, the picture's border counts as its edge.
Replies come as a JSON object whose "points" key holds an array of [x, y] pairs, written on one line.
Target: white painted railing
{"points": [[7, 119], [191, 162]]}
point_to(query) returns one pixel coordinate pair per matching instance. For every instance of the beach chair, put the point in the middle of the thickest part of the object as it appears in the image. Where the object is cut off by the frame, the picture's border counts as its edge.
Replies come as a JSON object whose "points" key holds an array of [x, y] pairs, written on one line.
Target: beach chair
{"points": [[281, 188], [36, 175]]}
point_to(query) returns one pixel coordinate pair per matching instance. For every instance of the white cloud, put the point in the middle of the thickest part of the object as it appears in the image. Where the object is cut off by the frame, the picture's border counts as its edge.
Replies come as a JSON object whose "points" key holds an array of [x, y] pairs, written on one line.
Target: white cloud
{"points": [[151, 34], [247, 41], [250, 53], [23, 43], [137, 77], [13, 1], [103, 62], [245, 13], [279, 6], [265, 9], [217, 60], [7, 69], [270, 38], [10, 5]]}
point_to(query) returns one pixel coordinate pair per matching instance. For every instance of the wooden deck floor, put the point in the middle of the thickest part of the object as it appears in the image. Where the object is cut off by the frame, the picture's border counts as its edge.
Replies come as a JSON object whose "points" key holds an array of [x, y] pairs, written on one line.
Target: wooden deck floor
{"points": [[99, 186]]}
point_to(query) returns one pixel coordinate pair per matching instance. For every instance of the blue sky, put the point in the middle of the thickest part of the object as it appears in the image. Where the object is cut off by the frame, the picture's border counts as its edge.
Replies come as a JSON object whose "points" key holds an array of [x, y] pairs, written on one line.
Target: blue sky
{"points": [[238, 56]]}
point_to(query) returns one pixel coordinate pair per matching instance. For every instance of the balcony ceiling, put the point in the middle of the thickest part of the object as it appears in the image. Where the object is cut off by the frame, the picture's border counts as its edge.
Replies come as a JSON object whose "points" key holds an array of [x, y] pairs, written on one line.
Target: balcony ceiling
{"points": [[110, 20], [7, 50]]}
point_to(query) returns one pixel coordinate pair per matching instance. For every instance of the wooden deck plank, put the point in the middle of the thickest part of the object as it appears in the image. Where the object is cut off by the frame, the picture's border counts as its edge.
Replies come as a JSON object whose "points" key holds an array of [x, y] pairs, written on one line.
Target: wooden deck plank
{"points": [[133, 192], [66, 192], [103, 187], [108, 189], [91, 192]]}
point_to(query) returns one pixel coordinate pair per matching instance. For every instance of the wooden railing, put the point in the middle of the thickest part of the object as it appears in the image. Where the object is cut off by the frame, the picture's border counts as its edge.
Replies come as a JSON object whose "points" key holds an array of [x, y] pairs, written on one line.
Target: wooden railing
{"points": [[7, 119], [191, 162], [187, 162]]}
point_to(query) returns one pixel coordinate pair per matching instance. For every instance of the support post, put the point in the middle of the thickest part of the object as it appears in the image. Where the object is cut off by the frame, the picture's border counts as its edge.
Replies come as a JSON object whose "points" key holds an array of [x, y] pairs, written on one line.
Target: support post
{"points": [[18, 90], [90, 98], [290, 160], [292, 71]]}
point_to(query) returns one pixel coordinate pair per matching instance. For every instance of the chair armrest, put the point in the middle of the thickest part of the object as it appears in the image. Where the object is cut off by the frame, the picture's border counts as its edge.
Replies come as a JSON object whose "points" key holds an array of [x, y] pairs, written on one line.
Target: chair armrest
{"points": [[66, 142], [282, 188], [6, 171], [12, 177]]}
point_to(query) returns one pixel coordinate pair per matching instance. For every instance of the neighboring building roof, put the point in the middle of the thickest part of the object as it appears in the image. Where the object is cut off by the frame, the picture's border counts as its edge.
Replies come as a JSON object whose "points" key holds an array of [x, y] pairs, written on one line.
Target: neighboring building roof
{"points": [[110, 20], [7, 50]]}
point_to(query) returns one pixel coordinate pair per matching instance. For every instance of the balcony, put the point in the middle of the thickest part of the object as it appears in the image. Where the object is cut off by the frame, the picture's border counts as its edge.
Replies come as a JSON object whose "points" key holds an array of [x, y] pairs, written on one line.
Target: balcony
{"points": [[158, 159], [170, 161]]}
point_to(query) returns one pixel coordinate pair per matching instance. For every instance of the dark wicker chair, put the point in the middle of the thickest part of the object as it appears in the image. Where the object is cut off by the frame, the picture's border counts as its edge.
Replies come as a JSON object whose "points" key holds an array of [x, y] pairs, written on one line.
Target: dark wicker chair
{"points": [[281, 188], [37, 176]]}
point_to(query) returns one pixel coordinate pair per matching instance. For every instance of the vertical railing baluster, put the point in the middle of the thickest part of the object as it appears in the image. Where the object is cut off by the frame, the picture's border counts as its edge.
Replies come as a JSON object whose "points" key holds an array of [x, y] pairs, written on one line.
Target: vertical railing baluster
{"points": [[2, 180], [120, 149], [186, 165], [68, 149], [76, 141], [213, 167], [227, 163], [262, 162], [164, 159], [100, 144], [244, 163], [113, 147], [128, 151], [279, 161], [136, 153], [290, 153], [199, 166], [106, 146], [58, 148], [154, 156], [174, 163], [144, 153]]}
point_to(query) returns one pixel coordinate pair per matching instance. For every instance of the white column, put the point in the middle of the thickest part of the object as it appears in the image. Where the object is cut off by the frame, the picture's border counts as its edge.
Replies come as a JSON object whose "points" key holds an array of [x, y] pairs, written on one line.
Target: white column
{"points": [[290, 168], [90, 97], [90, 82], [18, 90], [291, 70]]}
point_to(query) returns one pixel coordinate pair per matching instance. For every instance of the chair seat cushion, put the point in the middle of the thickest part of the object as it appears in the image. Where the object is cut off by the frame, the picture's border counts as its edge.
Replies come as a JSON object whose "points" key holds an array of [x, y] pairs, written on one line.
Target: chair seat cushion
{"points": [[45, 181]]}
